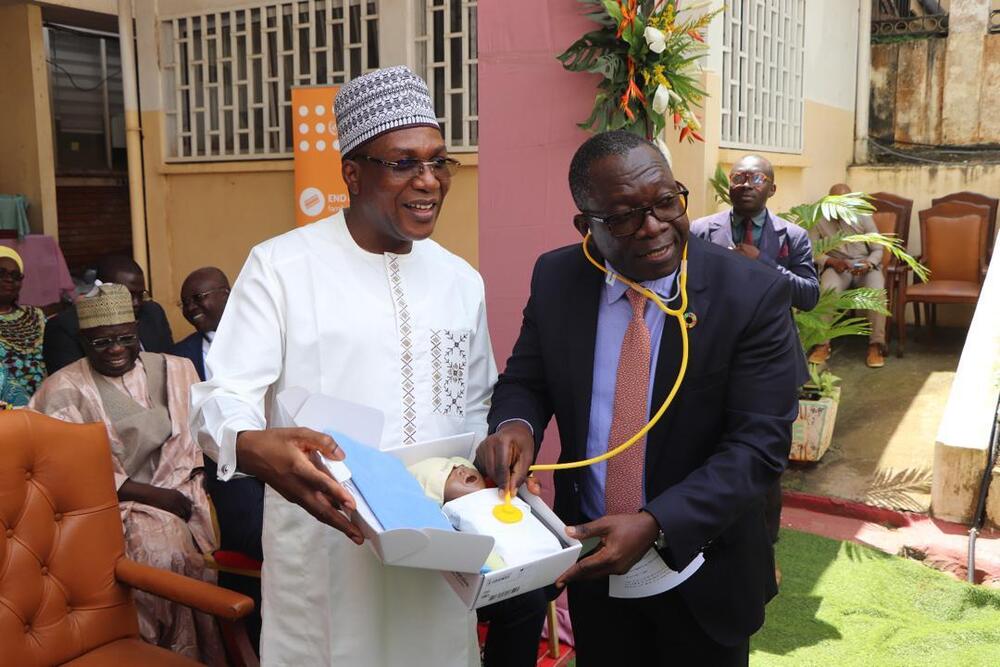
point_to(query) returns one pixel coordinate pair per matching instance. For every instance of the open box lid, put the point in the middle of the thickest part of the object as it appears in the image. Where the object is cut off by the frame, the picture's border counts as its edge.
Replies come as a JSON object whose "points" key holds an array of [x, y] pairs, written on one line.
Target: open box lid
{"points": [[427, 548]]}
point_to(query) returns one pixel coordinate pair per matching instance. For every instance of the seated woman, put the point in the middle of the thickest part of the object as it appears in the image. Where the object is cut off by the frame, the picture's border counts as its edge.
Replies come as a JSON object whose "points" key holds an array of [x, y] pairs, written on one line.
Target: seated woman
{"points": [[22, 329], [143, 399]]}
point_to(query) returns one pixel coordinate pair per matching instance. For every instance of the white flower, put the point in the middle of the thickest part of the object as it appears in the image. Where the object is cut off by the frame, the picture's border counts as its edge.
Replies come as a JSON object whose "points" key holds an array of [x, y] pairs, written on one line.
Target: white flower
{"points": [[655, 39], [661, 99], [662, 145]]}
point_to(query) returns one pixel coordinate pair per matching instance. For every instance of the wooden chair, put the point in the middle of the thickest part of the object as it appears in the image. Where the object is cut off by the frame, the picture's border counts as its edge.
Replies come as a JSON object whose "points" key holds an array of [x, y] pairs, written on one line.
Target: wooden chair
{"points": [[903, 205], [65, 583], [981, 200], [890, 218], [953, 235]]}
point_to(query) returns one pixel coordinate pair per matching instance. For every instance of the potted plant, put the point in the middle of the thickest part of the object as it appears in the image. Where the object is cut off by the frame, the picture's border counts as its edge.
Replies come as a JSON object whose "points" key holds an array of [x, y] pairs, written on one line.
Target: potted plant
{"points": [[832, 316]]}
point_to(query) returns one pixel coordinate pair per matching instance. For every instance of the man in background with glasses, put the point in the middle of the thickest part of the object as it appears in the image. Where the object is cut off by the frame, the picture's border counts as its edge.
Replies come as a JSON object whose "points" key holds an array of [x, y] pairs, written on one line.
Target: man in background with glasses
{"points": [[597, 356], [62, 344], [361, 306], [752, 231]]}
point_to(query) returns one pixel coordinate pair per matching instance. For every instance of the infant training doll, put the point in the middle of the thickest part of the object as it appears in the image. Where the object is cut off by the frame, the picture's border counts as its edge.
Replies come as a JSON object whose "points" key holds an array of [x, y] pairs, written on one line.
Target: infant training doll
{"points": [[460, 489]]}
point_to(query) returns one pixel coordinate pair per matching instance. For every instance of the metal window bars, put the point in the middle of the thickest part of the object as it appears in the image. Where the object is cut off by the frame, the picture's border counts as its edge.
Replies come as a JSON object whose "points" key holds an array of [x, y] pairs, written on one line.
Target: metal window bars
{"points": [[447, 56], [762, 62], [227, 74]]}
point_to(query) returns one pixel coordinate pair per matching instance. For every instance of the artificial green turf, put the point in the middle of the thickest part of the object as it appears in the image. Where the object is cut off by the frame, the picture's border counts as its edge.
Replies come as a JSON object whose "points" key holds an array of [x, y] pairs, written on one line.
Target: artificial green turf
{"points": [[843, 604]]}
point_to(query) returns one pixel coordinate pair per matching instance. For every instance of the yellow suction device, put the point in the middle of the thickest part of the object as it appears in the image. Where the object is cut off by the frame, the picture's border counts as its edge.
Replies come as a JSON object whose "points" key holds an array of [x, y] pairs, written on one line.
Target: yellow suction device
{"points": [[679, 315], [505, 512]]}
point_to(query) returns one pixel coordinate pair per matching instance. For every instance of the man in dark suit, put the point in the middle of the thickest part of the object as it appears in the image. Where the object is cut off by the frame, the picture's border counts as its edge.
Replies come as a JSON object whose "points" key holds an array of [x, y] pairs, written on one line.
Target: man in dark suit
{"points": [[768, 239], [600, 358], [203, 299], [751, 230], [62, 345]]}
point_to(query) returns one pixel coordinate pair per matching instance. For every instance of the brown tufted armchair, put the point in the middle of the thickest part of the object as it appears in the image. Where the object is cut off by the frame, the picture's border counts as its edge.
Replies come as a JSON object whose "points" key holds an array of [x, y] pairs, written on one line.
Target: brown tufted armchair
{"points": [[64, 579]]}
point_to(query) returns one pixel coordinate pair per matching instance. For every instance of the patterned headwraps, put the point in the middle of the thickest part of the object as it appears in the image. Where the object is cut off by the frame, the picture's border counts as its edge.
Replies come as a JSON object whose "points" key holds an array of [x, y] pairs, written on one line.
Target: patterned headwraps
{"points": [[379, 102], [107, 305]]}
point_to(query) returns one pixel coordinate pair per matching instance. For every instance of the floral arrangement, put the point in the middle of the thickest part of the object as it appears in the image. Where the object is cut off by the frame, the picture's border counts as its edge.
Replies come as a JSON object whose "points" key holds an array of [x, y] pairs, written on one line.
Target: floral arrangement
{"points": [[647, 52]]}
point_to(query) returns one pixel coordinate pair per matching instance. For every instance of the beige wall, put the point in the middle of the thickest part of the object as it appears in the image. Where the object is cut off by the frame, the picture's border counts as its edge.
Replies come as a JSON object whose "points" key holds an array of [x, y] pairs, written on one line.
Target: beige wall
{"points": [[26, 157]]}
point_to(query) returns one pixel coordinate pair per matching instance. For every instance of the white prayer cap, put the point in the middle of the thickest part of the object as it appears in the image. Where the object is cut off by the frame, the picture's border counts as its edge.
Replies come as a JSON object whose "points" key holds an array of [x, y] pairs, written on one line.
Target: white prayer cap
{"points": [[379, 102], [432, 474]]}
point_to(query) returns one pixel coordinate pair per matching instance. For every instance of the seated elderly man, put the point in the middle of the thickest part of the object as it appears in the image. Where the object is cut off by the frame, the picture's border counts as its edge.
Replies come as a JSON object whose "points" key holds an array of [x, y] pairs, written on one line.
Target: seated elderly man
{"points": [[143, 400], [851, 265]]}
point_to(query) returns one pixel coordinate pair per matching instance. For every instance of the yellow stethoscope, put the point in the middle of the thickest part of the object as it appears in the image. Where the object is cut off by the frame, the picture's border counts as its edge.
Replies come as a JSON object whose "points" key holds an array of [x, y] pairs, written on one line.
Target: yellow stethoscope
{"points": [[508, 513]]}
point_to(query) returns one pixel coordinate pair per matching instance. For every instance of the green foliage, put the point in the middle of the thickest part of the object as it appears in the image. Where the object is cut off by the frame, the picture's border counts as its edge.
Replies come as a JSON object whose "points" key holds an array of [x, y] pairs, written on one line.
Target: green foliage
{"points": [[823, 382], [720, 185], [632, 72]]}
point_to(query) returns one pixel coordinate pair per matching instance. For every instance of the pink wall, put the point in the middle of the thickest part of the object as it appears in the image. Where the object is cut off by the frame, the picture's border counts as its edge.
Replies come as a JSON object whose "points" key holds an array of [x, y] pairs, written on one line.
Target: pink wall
{"points": [[529, 108]]}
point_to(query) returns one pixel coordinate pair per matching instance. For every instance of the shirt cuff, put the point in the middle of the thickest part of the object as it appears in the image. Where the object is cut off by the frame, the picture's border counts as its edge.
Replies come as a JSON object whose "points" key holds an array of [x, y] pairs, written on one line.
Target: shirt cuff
{"points": [[516, 419]]}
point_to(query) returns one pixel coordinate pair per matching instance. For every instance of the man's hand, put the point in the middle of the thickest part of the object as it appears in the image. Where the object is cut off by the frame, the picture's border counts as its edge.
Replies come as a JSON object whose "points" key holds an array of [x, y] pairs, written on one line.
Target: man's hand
{"points": [[287, 459], [173, 501], [861, 268], [748, 250], [625, 538], [506, 456], [837, 264]]}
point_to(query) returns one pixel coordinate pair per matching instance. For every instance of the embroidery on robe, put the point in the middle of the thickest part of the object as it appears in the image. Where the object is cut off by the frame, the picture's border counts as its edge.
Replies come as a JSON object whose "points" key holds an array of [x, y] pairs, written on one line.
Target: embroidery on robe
{"points": [[449, 367], [405, 328]]}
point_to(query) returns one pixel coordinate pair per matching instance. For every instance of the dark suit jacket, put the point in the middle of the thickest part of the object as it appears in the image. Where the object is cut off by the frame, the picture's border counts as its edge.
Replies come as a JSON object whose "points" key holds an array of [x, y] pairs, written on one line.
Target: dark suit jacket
{"points": [[190, 347], [720, 446], [62, 346], [783, 246]]}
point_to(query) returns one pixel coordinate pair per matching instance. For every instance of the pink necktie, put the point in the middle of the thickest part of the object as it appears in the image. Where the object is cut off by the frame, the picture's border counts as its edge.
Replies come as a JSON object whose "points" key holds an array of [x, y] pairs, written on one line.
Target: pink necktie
{"points": [[623, 483]]}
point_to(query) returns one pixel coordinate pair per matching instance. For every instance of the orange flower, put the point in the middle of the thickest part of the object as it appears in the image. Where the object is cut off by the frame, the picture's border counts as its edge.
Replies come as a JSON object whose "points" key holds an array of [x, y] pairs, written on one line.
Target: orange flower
{"points": [[694, 34], [629, 10], [632, 90]]}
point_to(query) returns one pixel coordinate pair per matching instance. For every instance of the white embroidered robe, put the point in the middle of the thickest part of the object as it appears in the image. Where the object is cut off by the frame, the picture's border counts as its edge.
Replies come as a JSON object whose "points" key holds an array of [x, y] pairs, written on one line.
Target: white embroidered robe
{"points": [[404, 333]]}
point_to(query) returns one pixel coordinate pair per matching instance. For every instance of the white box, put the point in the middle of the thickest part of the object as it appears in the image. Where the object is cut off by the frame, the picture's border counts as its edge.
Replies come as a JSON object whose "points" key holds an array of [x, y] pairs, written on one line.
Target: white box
{"points": [[459, 556]]}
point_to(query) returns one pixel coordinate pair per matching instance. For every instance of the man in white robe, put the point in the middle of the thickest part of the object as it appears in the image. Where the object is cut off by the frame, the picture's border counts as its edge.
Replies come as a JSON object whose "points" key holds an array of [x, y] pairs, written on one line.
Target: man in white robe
{"points": [[361, 306]]}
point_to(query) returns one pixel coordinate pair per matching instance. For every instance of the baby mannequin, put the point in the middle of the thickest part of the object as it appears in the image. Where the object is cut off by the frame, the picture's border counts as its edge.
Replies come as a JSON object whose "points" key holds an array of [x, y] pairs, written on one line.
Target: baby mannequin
{"points": [[468, 504]]}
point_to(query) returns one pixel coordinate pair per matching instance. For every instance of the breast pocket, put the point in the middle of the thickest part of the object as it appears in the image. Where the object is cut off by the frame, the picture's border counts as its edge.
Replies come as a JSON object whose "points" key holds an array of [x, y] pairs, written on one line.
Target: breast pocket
{"points": [[449, 371]]}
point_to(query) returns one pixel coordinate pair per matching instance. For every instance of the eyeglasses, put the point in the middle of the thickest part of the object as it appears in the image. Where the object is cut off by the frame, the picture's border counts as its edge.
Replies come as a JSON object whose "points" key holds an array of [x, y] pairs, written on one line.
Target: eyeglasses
{"points": [[408, 168], [667, 209], [754, 178], [200, 297], [125, 340], [16, 276]]}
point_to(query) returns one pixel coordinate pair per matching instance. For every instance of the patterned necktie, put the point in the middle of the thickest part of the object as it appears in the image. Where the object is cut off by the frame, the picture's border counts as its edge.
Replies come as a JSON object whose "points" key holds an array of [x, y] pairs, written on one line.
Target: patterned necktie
{"points": [[748, 231], [624, 480]]}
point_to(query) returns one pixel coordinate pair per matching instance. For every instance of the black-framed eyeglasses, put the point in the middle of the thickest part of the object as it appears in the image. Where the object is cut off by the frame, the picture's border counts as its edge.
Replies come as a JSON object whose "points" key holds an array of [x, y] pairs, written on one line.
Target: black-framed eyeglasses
{"points": [[15, 275], [408, 167], [754, 178], [200, 297], [627, 223], [103, 343]]}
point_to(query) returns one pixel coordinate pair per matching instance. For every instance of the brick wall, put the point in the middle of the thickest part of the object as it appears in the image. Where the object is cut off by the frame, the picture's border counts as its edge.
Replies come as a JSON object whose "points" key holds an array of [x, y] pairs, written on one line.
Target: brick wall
{"points": [[93, 221]]}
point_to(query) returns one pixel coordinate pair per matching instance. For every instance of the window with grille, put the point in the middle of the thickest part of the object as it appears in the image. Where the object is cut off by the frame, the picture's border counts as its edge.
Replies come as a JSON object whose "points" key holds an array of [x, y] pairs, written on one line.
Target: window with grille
{"points": [[447, 56], [762, 60], [227, 74]]}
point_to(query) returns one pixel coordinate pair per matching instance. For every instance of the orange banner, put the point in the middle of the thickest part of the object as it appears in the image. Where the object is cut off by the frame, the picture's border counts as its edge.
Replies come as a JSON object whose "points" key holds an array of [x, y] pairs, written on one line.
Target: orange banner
{"points": [[320, 190]]}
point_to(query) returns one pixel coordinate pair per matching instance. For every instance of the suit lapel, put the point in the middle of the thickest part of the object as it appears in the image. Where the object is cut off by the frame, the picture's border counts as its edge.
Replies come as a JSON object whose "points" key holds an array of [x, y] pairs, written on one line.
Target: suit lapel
{"points": [[671, 348], [581, 337], [723, 232], [770, 240]]}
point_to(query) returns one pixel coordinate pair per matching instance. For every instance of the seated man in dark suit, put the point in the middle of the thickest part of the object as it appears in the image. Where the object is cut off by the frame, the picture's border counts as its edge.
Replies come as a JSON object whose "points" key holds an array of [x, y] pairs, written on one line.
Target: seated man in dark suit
{"points": [[239, 503], [596, 355], [62, 345]]}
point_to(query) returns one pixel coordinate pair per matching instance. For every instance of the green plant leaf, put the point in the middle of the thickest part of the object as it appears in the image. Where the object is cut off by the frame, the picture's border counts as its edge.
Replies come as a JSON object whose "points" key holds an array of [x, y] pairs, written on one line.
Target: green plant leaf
{"points": [[720, 185]]}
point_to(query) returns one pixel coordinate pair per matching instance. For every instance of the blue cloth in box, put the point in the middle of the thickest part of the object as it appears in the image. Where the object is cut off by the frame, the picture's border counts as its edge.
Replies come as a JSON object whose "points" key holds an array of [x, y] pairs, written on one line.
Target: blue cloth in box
{"points": [[393, 494]]}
